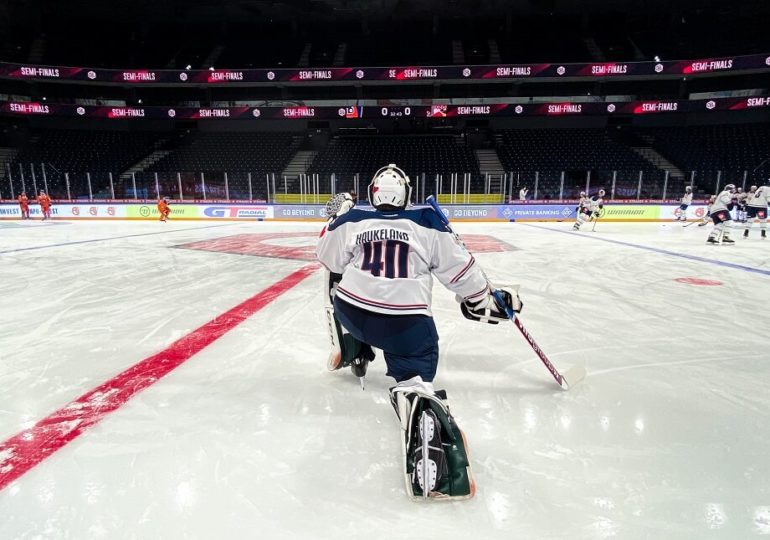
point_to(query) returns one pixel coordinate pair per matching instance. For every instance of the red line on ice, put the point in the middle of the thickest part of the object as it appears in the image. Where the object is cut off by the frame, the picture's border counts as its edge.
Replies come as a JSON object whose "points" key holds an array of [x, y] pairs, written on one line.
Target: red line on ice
{"points": [[25, 450]]}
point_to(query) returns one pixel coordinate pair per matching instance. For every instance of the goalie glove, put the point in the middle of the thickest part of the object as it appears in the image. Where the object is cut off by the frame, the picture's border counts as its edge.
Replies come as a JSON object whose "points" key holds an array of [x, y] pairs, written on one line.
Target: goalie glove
{"points": [[486, 310], [339, 204]]}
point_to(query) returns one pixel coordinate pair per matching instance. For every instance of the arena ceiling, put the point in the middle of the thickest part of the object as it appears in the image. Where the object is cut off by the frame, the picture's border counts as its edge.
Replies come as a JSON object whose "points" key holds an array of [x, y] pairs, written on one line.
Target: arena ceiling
{"points": [[313, 10]]}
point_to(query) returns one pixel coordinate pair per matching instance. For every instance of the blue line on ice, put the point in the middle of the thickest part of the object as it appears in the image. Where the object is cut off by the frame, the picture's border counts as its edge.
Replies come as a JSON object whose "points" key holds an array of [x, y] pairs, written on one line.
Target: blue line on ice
{"points": [[658, 250]]}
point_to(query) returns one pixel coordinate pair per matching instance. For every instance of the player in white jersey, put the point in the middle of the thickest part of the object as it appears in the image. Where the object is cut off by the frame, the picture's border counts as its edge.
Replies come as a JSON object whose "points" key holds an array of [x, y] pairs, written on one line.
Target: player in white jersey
{"points": [[582, 203], [387, 258], [740, 198], [720, 215], [685, 201], [756, 209], [590, 209]]}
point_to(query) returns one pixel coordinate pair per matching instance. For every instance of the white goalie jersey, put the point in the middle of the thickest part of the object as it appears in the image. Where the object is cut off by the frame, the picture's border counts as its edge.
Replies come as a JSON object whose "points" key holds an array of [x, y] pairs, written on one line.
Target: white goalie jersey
{"points": [[387, 260]]}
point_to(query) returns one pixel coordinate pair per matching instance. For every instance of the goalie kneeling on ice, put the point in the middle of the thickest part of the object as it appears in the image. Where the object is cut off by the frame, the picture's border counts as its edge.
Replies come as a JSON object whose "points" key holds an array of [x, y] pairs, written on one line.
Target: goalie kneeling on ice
{"points": [[487, 309]]}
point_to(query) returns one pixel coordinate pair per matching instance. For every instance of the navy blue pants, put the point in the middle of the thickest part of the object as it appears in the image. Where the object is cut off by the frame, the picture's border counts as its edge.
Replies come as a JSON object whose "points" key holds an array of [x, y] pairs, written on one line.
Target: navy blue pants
{"points": [[410, 342]]}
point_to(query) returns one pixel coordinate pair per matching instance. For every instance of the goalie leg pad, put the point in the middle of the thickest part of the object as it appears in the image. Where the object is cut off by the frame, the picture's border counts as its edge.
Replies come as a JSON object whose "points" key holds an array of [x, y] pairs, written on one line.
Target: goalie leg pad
{"points": [[345, 347], [434, 449]]}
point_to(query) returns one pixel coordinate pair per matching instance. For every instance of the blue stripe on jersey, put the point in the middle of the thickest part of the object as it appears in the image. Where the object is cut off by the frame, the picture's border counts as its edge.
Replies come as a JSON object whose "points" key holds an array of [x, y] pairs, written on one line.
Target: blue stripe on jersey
{"points": [[424, 217]]}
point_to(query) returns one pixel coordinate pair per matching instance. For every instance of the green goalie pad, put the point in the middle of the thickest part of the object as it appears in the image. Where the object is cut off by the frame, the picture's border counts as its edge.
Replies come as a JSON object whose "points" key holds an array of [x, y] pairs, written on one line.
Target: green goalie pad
{"points": [[349, 347], [345, 347], [453, 478]]}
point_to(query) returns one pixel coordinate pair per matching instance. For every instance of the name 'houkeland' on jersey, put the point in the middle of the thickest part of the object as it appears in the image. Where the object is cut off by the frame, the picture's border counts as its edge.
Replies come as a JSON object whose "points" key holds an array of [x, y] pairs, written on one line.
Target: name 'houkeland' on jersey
{"points": [[386, 260]]}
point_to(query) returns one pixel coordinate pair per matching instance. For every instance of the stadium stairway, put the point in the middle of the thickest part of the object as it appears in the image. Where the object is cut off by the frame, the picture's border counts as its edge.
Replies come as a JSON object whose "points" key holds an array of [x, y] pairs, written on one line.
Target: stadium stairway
{"points": [[642, 145], [489, 164], [299, 164], [213, 56], [652, 155], [161, 150], [144, 164], [594, 50]]}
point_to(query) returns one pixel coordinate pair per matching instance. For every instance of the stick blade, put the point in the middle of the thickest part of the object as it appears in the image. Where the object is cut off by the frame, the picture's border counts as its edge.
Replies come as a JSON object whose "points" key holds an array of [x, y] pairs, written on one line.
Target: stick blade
{"points": [[572, 376]]}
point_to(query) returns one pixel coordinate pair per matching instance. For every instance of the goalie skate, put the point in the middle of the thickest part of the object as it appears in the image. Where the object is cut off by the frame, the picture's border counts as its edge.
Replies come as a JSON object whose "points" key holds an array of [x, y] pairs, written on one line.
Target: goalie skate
{"points": [[434, 454]]}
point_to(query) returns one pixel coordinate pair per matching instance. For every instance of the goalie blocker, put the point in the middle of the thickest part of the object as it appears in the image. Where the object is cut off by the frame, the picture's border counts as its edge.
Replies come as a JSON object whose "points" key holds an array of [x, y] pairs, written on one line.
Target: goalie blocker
{"points": [[487, 310]]}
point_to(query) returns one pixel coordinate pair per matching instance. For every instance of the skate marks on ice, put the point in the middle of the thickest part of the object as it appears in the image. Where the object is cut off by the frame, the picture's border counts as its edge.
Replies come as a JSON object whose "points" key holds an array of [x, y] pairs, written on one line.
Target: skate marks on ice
{"points": [[109, 238], [11, 225], [698, 258], [24, 450]]}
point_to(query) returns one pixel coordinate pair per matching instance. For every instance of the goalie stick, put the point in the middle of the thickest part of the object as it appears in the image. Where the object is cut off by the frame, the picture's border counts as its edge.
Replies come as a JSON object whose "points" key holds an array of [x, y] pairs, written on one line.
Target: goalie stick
{"points": [[599, 214], [567, 380]]}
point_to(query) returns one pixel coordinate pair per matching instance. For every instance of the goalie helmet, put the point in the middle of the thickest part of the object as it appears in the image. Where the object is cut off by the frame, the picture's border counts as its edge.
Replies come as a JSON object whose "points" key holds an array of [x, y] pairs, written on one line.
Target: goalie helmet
{"points": [[730, 188], [390, 189], [601, 193], [688, 189]]}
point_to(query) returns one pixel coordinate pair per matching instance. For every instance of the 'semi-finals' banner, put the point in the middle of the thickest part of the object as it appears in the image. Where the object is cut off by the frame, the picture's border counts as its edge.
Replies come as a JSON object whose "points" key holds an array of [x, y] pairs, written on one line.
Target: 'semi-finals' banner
{"points": [[396, 74], [648, 107]]}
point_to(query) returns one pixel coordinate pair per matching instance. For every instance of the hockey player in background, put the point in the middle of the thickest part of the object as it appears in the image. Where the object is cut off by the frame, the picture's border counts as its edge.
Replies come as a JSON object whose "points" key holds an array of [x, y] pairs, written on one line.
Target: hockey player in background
{"points": [[164, 209], [720, 215], [590, 210], [45, 204], [387, 259], [24, 205], [707, 217], [685, 201], [582, 203], [756, 209], [740, 209]]}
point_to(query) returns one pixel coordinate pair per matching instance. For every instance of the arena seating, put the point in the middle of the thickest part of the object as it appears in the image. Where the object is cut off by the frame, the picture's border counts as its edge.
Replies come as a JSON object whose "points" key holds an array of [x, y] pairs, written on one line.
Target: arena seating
{"points": [[416, 154], [566, 149], [575, 152], [534, 157], [67, 161], [731, 149], [230, 151], [86, 150]]}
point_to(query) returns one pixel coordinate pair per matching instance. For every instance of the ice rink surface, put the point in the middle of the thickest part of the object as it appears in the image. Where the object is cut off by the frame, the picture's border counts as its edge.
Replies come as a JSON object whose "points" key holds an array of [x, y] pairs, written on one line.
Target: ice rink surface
{"points": [[667, 437]]}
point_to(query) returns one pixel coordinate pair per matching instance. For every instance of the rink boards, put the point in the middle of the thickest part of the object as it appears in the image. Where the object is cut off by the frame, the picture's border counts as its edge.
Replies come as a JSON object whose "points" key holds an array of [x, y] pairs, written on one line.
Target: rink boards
{"points": [[224, 211]]}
